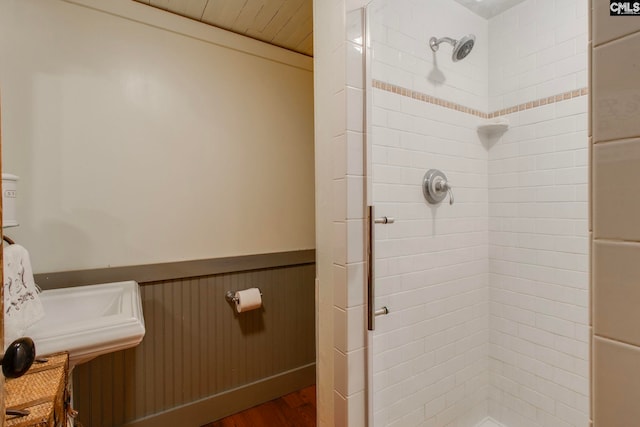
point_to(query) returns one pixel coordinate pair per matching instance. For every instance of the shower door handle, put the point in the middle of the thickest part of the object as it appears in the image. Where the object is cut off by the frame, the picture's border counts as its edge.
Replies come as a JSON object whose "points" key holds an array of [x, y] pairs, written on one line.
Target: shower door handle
{"points": [[381, 311], [371, 294], [384, 220]]}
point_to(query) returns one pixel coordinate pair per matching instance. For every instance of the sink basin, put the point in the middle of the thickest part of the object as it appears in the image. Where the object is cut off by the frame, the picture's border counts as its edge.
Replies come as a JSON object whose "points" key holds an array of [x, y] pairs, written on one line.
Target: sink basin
{"points": [[88, 321]]}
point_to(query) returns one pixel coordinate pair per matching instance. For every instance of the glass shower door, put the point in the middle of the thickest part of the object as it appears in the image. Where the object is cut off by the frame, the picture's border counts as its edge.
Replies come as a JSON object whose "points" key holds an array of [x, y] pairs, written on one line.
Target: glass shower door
{"points": [[430, 352]]}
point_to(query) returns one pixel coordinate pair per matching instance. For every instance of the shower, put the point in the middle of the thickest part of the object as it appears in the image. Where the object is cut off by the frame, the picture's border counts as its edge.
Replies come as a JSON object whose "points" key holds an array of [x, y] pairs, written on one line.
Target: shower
{"points": [[461, 48], [487, 309]]}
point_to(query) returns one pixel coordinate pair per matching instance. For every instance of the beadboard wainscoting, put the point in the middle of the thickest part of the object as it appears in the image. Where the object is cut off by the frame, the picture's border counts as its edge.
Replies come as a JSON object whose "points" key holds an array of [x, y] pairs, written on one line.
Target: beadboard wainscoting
{"points": [[200, 360]]}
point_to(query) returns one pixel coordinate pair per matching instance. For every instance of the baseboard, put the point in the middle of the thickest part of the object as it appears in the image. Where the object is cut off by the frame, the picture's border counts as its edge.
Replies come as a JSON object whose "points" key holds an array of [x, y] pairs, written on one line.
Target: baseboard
{"points": [[201, 412]]}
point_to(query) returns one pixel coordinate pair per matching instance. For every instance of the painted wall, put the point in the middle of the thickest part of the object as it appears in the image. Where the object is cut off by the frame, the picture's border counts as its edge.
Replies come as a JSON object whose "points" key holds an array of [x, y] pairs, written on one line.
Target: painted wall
{"points": [[538, 233], [430, 355], [200, 360], [142, 137]]}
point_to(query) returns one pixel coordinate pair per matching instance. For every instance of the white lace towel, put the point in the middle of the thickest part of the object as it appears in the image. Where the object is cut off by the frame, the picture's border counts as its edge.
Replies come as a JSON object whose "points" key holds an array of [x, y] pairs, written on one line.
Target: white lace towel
{"points": [[22, 306]]}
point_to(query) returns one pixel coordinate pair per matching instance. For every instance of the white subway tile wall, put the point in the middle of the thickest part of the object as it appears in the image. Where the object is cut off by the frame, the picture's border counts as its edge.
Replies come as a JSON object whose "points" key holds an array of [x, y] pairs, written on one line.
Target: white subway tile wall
{"points": [[431, 351], [488, 297], [537, 49], [401, 31], [538, 229], [430, 357], [349, 328], [338, 71], [538, 254]]}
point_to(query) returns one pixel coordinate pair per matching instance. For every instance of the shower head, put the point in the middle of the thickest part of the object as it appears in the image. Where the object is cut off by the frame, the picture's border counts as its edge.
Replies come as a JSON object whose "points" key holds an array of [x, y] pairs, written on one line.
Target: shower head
{"points": [[461, 48]]}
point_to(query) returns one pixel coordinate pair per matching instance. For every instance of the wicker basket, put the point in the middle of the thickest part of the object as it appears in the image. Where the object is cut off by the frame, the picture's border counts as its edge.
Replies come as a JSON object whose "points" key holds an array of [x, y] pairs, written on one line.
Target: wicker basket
{"points": [[41, 391]]}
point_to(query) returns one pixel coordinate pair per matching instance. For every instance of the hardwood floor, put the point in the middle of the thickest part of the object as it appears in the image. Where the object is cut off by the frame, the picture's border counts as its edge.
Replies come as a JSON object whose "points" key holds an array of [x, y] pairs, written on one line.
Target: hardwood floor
{"points": [[297, 409]]}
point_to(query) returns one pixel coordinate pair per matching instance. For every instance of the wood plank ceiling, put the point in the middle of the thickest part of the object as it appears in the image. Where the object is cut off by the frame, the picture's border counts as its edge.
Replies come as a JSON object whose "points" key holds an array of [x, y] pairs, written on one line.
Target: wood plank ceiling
{"points": [[284, 23]]}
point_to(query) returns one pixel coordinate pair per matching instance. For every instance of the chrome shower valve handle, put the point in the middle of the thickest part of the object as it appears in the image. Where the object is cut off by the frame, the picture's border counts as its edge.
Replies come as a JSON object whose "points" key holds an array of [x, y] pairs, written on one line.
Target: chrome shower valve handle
{"points": [[441, 186], [435, 187]]}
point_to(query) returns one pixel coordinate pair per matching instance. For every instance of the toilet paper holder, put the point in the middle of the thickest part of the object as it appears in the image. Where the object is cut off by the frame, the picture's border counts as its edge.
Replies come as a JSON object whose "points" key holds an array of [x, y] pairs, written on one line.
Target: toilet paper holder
{"points": [[230, 296]]}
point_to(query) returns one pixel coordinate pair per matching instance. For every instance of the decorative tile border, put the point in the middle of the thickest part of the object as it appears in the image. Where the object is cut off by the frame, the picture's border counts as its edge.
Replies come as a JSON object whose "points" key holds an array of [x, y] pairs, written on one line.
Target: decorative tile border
{"points": [[539, 102], [426, 98], [453, 106]]}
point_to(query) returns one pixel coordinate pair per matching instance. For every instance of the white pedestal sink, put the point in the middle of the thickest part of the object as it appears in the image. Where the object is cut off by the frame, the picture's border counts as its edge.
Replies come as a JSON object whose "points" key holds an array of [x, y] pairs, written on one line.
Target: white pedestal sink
{"points": [[88, 321]]}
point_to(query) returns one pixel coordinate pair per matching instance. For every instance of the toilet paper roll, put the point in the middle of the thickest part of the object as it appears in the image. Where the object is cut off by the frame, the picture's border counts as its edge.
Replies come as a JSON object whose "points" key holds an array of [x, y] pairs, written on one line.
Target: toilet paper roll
{"points": [[249, 299]]}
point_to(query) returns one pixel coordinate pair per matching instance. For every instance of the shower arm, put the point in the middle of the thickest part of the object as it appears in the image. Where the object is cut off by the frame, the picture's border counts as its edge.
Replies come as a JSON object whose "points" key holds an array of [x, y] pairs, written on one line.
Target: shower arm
{"points": [[435, 43]]}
